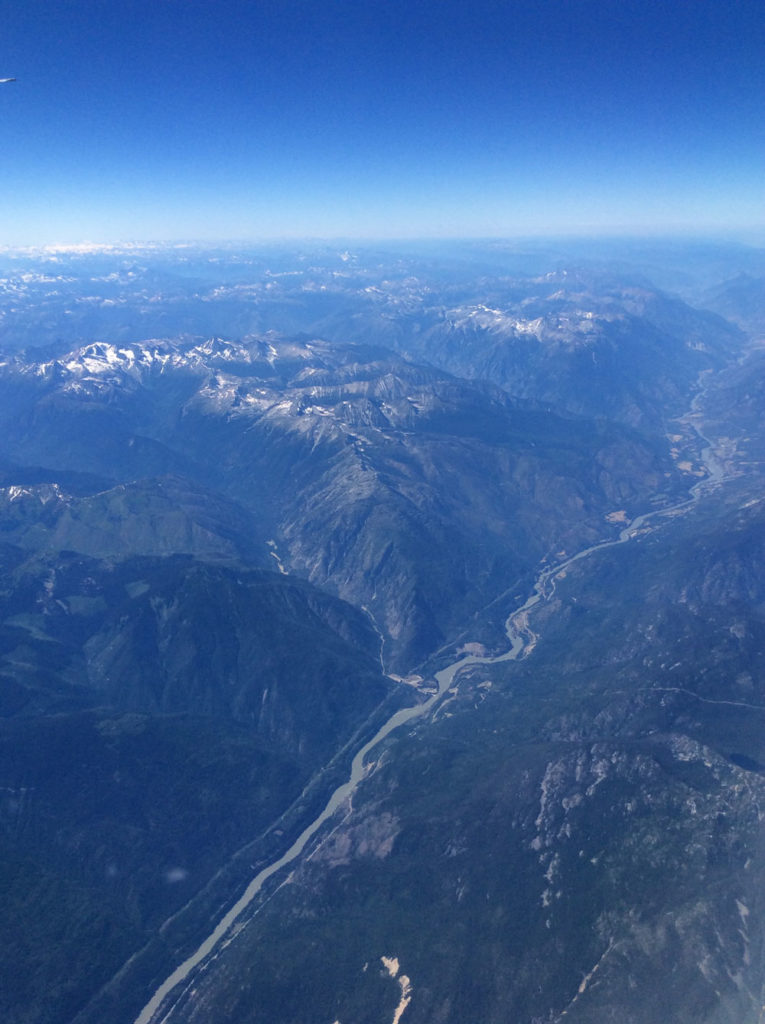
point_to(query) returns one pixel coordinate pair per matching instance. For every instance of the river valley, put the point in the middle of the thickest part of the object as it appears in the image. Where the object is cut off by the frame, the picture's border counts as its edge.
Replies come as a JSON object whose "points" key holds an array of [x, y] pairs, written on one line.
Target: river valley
{"points": [[521, 639]]}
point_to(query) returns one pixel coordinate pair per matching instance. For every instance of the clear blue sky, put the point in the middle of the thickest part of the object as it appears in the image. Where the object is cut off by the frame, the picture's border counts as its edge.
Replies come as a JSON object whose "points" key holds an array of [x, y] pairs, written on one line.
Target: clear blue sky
{"points": [[214, 119]]}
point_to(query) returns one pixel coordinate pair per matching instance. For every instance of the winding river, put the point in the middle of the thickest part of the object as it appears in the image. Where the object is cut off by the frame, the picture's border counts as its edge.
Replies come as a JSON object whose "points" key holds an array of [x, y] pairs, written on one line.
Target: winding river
{"points": [[520, 636]]}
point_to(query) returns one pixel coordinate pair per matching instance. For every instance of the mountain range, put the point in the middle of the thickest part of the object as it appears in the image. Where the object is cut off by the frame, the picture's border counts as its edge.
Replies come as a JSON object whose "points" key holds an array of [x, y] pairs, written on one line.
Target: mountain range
{"points": [[256, 504]]}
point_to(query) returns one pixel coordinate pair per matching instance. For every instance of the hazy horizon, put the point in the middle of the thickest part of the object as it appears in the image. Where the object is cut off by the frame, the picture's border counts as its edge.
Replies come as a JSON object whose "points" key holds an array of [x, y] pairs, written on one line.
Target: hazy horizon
{"points": [[753, 240]]}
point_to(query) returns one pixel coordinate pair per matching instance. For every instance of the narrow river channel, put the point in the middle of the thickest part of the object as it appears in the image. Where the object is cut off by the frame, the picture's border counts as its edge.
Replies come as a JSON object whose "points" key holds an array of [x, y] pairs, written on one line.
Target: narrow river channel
{"points": [[160, 1007]]}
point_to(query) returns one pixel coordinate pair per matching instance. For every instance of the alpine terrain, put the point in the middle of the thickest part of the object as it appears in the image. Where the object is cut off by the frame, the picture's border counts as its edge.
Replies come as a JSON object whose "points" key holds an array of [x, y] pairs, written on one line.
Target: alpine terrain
{"points": [[382, 634]]}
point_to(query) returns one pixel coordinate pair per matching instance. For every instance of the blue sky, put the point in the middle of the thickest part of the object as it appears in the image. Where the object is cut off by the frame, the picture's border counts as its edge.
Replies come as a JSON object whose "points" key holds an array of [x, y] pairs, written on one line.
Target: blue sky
{"points": [[194, 119]]}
